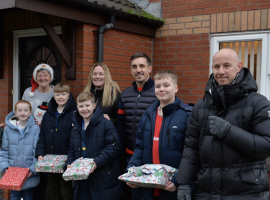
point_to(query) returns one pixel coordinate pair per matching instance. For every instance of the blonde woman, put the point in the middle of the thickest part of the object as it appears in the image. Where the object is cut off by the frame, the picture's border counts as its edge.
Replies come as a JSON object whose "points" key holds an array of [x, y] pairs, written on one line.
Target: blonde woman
{"points": [[106, 91]]}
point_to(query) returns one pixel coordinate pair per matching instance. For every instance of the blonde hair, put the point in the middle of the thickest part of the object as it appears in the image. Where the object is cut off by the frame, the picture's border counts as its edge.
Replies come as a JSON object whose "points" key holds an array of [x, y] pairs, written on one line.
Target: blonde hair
{"points": [[23, 101], [110, 87], [61, 87], [166, 74], [85, 96]]}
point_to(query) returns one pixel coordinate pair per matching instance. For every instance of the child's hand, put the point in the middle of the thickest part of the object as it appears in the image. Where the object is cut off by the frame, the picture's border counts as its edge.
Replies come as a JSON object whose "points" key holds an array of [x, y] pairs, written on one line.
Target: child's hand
{"points": [[69, 166], [30, 173], [106, 116], [40, 158], [170, 187], [131, 185], [94, 166]]}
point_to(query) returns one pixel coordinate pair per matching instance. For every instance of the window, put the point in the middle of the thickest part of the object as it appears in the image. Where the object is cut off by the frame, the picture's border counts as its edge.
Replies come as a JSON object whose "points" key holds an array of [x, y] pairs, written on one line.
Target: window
{"points": [[252, 50]]}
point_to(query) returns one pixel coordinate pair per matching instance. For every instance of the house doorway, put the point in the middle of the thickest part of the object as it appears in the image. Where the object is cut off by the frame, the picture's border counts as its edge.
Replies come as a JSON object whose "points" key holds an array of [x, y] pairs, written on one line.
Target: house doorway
{"points": [[31, 47], [34, 51]]}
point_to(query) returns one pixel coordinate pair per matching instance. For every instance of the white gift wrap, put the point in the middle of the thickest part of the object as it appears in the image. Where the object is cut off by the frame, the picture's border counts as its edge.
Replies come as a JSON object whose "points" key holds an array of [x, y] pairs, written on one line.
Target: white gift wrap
{"points": [[149, 175]]}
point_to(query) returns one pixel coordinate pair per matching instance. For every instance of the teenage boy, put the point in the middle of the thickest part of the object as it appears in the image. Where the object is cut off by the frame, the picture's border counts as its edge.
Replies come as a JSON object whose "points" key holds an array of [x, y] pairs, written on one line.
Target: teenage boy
{"points": [[93, 136], [161, 133], [54, 138]]}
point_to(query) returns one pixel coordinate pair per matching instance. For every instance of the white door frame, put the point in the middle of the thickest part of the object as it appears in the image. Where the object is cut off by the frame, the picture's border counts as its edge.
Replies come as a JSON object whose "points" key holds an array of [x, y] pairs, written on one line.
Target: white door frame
{"points": [[248, 36], [16, 70]]}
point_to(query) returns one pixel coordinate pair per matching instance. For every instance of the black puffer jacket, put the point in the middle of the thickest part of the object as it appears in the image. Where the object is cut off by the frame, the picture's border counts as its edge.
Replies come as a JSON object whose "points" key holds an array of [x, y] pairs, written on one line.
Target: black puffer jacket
{"points": [[134, 104], [109, 110], [56, 140], [232, 168]]}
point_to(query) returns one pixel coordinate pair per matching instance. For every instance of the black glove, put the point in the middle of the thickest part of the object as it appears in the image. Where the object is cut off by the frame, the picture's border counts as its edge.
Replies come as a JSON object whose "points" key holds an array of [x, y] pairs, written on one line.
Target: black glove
{"points": [[184, 192], [219, 127]]}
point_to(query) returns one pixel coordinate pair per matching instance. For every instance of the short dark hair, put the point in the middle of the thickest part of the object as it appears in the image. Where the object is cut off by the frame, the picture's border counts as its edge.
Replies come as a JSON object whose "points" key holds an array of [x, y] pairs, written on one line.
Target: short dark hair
{"points": [[143, 55]]}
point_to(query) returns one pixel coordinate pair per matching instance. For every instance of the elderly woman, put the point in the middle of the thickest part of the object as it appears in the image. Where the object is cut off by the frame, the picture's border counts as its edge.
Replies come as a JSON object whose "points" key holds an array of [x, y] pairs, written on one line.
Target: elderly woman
{"points": [[41, 90], [106, 91]]}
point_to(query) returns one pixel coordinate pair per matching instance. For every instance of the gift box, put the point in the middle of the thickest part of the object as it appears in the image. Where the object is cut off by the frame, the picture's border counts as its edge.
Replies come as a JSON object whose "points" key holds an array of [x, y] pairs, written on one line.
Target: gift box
{"points": [[80, 169], [14, 178], [149, 175], [51, 164]]}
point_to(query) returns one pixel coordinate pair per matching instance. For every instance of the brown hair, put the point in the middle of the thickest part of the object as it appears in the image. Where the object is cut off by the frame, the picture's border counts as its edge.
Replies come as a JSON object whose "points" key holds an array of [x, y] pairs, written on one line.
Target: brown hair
{"points": [[61, 87], [166, 74], [110, 87], [141, 55], [23, 101], [85, 96]]}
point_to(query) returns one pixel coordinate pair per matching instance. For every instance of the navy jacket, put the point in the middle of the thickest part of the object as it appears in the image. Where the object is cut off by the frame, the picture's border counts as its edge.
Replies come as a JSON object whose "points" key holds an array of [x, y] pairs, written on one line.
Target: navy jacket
{"points": [[171, 140], [56, 140], [103, 145]]}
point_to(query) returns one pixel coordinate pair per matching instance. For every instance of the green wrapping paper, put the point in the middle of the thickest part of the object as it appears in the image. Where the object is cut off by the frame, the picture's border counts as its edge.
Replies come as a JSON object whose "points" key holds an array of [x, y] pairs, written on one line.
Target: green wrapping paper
{"points": [[80, 170]]}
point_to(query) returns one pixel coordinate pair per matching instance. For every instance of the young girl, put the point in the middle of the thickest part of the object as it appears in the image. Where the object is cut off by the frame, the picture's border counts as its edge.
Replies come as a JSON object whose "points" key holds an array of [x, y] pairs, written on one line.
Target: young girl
{"points": [[18, 147]]}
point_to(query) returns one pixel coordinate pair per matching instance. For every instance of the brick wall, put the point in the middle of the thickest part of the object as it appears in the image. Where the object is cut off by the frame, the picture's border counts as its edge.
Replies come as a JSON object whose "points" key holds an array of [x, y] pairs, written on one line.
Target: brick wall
{"points": [[182, 44], [119, 46]]}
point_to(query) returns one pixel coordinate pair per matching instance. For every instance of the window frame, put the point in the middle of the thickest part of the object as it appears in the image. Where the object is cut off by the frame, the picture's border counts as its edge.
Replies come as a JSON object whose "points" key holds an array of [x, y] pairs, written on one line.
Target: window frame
{"points": [[264, 36]]}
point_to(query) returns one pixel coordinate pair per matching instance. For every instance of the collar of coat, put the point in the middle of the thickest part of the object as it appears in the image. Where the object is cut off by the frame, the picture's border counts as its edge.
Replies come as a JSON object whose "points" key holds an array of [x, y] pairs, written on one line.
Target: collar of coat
{"points": [[221, 96], [170, 108], [147, 85]]}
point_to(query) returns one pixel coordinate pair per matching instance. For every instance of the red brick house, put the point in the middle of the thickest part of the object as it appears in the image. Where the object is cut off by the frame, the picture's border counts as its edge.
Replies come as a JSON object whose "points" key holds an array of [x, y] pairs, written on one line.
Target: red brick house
{"points": [[193, 31]]}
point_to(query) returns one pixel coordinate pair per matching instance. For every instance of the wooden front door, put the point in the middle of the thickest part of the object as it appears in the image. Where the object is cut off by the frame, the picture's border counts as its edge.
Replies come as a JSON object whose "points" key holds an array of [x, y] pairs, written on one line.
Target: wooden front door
{"points": [[33, 51]]}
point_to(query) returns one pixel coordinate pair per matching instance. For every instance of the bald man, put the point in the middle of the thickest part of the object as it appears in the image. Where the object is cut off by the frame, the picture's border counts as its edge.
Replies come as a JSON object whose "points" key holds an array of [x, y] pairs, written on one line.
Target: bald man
{"points": [[227, 138]]}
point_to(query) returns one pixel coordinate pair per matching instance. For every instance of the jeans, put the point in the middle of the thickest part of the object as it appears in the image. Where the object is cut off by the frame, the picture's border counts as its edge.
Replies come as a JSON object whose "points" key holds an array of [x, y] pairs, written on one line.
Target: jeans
{"points": [[26, 194], [137, 193]]}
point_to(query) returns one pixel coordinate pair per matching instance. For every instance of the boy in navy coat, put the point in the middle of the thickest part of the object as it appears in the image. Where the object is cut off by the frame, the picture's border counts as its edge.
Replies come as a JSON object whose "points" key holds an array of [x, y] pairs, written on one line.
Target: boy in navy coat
{"points": [[54, 138], [93, 136], [161, 133]]}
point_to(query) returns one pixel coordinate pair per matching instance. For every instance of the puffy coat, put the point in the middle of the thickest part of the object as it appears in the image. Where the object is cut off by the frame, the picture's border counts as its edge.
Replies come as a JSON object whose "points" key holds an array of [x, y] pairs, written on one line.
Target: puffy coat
{"points": [[103, 145], [234, 167], [134, 104], [56, 140], [171, 141], [19, 150], [109, 110]]}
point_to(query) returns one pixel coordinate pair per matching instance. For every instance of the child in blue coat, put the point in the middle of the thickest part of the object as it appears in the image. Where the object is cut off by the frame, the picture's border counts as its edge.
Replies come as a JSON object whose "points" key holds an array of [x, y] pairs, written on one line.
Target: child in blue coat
{"points": [[161, 133], [93, 136], [18, 147]]}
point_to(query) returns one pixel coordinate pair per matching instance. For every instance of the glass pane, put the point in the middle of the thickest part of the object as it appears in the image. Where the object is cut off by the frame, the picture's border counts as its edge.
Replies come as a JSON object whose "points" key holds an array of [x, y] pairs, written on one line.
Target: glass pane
{"points": [[42, 55], [249, 52]]}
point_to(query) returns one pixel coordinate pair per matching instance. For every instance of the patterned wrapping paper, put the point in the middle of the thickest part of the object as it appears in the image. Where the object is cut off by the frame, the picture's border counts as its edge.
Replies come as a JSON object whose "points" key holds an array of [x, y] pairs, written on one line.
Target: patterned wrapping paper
{"points": [[149, 175], [14, 178], [51, 163], [80, 170]]}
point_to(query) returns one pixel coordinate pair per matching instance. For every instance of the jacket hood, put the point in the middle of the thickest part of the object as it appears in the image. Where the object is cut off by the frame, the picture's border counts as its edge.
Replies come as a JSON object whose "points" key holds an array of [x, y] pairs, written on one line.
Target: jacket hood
{"points": [[224, 95], [11, 123], [71, 105], [95, 119], [167, 110]]}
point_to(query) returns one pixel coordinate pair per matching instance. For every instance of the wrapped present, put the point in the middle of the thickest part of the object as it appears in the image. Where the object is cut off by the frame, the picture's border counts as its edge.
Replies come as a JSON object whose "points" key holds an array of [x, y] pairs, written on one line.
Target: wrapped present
{"points": [[149, 175], [80, 169], [51, 163], [14, 178]]}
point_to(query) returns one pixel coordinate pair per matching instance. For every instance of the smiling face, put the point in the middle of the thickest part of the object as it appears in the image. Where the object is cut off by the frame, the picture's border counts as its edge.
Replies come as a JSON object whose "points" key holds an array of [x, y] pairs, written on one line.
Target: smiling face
{"points": [[86, 109], [23, 111], [225, 66], [140, 70], [98, 77], [43, 78], [165, 90], [61, 98]]}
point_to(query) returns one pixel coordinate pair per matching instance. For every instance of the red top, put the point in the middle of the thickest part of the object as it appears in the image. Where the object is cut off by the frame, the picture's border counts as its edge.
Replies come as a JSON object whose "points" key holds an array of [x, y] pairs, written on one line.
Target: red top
{"points": [[139, 88], [155, 151]]}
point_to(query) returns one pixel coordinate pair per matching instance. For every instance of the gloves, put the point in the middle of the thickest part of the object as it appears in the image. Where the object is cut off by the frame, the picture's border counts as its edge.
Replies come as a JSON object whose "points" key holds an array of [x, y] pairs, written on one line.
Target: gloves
{"points": [[184, 192], [219, 127]]}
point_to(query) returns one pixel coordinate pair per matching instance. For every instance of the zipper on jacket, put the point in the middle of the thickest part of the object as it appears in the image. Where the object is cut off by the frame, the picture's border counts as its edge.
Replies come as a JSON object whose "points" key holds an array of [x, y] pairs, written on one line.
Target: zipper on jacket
{"points": [[168, 135], [135, 116], [53, 147]]}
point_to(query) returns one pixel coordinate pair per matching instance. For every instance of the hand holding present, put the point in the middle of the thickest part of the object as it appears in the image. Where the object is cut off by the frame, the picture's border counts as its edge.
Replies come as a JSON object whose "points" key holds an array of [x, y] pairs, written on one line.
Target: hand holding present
{"points": [[40, 158], [69, 166], [94, 166], [170, 187], [131, 185]]}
